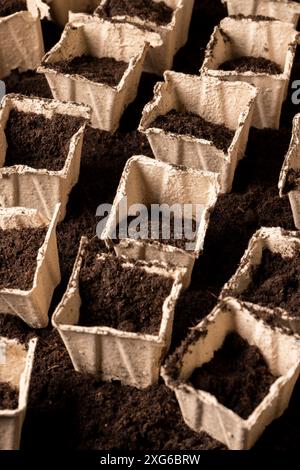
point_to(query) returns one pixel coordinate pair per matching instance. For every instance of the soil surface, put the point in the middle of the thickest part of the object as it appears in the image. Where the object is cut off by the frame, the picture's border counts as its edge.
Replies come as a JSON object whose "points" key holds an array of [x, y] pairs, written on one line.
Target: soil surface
{"points": [[147, 10], [252, 17], [18, 256], [127, 299], [275, 283], [191, 124], [8, 7], [251, 64], [29, 83], [105, 70], [292, 181], [238, 376], [8, 397], [38, 142]]}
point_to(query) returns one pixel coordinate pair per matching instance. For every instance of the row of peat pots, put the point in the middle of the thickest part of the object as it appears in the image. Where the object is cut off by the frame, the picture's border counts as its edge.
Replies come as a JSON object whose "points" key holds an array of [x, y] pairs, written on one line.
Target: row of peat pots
{"points": [[146, 276]]}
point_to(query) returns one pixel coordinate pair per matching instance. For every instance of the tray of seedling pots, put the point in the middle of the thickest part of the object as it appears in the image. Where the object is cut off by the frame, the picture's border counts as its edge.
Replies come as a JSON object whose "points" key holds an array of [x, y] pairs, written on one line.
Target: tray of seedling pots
{"points": [[29, 264], [98, 63], [289, 182], [21, 39], [116, 316], [233, 375], [16, 362], [257, 51], [267, 278], [169, 18], [40, 152], [186, 197], [200, 122], [284, 10]]}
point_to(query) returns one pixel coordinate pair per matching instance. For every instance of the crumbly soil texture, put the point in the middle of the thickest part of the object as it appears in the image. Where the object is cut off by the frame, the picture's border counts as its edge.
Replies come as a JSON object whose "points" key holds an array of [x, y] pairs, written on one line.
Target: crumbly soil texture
{"points": [[9, 397], [39, 142], [251, 64], [8, 7], [238, 376], [186, 123], [292, 182], [147, 10]]}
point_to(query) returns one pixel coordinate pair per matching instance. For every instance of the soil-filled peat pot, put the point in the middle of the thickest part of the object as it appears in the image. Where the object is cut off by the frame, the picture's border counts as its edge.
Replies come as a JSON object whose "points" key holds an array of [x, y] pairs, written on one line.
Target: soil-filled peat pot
{"points": [[100, 39], [289, 181], [271, 286], [109, 353], [151, 182], [283, 10], [21, 39], [200, 409], [16, 362], [219, 102], [60, 10], [32, 305], [275, 41], [24, 186]]}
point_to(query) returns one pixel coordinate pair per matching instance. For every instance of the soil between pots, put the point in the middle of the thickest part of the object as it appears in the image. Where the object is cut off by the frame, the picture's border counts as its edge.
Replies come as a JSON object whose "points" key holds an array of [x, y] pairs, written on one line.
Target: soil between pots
{"points": [[238, 376], [37, 141], [29, 83], [18, 256], [105, 70], [9, 397], [125, 298], [251, 64], [147, 10], [186, 123], [8, 7]]}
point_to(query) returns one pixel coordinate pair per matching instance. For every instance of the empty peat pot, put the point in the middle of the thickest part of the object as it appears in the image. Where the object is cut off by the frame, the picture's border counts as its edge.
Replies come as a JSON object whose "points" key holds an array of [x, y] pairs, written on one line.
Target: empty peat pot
{"points": [[259, 41], [267, 279], [289, 181], [43, 126], [273, 356], [151, 182], [16, 362], [28, 295], [120, 351], [221, 104], [92, 40]]}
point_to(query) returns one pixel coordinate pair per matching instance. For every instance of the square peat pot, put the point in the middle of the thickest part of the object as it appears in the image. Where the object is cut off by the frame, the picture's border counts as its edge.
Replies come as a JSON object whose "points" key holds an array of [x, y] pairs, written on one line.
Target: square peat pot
{"points": [[32, 305], [277, 241], [21, 39], [42, 189], [100, 39], [200, 409], [283, 10], [150, 182], [289, 182], [275, 41], [109, 353], [174, 34], [16, 362], [218, 102]]}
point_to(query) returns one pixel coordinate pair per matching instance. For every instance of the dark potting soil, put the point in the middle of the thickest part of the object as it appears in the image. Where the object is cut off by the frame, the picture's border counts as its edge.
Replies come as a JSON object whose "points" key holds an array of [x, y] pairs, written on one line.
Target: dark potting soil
{"points": [[191, 124], [28, 83], [275, 283], [8, 397], [292, 181], [106, 70], [238, 376], [39, 142], [251, 64], [127, 299], [147, 10], [252, 17], [18, 256], [8, 7]]}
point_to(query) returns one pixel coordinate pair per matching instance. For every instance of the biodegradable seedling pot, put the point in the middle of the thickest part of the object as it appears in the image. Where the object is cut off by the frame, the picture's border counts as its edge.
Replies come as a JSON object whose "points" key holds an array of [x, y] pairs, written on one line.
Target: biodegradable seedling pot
{"points": [[21, 39], [277, 241], [284, 10], [16, 362], [201, 410], [273, 40], [147, 181], [42, 189], [292, 163], [108, 353], [174, 35], [32, 305], [99, 39], [217, 101]]}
